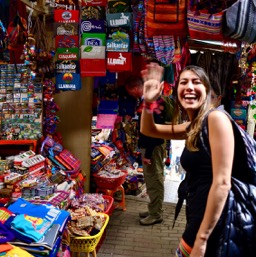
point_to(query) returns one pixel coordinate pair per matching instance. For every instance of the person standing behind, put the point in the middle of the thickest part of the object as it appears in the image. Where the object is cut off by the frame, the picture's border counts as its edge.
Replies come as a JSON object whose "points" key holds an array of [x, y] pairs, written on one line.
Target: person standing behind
{"points": [[216, 95], [152, 153]]}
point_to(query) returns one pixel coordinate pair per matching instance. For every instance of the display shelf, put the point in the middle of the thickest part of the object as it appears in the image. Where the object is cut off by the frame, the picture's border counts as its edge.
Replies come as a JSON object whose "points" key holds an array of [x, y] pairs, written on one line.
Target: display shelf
{"points": [[13, 147]]}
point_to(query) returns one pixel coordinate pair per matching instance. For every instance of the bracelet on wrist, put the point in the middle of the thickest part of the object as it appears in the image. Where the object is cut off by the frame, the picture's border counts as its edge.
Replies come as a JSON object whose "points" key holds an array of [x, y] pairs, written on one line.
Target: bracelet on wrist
{"points": [[150, 106]]}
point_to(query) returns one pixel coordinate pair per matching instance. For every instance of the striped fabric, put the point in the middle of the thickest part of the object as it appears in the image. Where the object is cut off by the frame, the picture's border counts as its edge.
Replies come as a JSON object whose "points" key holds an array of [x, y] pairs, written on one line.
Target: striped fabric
{"points": [[183, 249], [240, 20], [164, 48], [166, 18], [205, 26]]}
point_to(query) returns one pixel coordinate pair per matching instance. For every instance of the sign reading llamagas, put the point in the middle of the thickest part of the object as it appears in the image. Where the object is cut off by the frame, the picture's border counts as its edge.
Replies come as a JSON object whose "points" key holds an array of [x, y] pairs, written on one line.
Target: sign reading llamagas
{"points": [[68, 81], [67, 16], [119, 61], [119, 19]]}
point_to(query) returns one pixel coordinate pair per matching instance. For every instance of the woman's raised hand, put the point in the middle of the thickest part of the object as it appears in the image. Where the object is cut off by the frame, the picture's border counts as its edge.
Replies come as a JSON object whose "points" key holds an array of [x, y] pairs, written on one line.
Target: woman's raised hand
{"points": [[152, 77]]}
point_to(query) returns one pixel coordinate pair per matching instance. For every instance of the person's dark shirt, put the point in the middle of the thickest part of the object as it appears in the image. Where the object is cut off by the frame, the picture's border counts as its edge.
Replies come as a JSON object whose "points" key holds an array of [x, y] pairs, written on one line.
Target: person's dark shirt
{"points": [[162, 114]]}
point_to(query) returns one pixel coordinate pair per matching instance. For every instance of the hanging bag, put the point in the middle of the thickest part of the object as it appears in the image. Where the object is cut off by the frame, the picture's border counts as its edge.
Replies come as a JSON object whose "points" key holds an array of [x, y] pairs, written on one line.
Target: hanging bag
{"points": [[166, 17], [239, 21], [203, 25]]}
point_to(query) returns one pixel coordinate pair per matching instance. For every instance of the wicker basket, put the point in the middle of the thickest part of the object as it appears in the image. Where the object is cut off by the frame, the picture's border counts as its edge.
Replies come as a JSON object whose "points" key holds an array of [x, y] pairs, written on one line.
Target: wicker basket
{"points": [[109, 183], [87, 244]]}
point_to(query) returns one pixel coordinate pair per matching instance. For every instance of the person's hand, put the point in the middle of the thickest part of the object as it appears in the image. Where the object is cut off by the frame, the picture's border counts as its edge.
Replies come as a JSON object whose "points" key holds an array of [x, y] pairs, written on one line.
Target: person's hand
{"points": [[146, 161], [199, 248], [152, 77], [152, 71]]}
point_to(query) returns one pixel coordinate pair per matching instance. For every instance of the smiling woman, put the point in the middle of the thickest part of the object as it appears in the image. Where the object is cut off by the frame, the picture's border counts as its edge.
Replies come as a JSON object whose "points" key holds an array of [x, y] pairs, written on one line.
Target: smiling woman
{"points": [[208, 176]]}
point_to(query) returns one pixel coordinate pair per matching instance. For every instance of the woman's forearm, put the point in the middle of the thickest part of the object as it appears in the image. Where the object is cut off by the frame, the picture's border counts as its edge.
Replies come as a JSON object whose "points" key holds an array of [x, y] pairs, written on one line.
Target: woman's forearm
{"points": [[149, 128]]}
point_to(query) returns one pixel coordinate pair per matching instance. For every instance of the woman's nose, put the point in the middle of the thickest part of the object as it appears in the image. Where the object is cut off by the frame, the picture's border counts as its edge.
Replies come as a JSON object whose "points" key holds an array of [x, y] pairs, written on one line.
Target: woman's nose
{"points": [[190, 85]]}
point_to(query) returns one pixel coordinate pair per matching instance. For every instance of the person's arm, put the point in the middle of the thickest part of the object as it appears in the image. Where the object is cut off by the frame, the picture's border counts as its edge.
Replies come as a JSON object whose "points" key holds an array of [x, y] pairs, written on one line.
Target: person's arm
{"points": [[149, 128], [221, 138], [151, 91]]}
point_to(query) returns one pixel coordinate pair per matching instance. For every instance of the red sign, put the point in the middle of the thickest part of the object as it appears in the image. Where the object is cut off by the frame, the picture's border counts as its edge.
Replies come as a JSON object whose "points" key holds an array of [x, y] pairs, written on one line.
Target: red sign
{"points": [[67, 16], [119, 61], [93, 67]]}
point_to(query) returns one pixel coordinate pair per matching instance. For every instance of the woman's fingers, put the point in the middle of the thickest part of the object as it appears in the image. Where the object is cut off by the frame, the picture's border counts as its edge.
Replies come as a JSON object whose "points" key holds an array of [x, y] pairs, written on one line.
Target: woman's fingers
{"points": [[154, 71]]}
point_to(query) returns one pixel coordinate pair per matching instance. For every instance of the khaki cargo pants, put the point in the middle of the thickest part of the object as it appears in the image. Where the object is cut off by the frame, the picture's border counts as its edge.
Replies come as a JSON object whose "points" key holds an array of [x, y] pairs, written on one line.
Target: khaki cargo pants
{"points": [[154, 179]]}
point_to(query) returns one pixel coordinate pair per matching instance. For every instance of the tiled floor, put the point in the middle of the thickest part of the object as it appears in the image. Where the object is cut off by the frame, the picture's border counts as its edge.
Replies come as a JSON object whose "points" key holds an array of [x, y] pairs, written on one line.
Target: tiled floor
{"points": [[125, 237]]}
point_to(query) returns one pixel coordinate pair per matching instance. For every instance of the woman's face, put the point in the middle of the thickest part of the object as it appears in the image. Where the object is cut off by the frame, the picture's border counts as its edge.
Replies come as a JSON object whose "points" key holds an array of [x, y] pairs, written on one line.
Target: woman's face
{"points": [[191, 92]]}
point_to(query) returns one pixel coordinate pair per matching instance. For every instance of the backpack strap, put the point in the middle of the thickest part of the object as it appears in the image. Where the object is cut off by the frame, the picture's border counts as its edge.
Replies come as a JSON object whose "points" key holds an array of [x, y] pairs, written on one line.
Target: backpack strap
{"points": [[248, 145]]}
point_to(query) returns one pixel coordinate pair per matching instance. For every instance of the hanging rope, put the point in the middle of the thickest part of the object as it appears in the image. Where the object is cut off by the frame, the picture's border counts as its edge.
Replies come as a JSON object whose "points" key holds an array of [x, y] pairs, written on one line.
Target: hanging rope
{"points": [[29, 18], [39, 33]]}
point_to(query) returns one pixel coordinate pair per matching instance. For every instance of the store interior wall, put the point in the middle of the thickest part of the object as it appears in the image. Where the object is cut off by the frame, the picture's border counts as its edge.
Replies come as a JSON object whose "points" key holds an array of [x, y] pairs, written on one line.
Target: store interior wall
{"points": [[75, 117], [75, 123]]}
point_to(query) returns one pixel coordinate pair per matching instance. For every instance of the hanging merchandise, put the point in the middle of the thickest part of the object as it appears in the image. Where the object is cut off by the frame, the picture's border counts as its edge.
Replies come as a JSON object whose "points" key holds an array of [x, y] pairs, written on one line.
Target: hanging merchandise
{"points": [[164, 48], [239, 21], [119, 61], [119, 24], [93, 2], [117, 6], [21, 108], [67, 69], [203, 25], [64, 4], [138, 11], [119, 19], [92, 12], [37, 52], [118, 39], [164, 17], [93, 38], [61, 28], [146, 43], [17, 32], [3, 37], [50, 119]]}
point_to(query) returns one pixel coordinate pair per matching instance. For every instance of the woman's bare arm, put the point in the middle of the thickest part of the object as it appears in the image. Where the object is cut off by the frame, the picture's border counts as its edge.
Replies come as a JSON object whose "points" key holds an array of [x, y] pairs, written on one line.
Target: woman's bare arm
{"points": [[221, 139], [149, 128]]}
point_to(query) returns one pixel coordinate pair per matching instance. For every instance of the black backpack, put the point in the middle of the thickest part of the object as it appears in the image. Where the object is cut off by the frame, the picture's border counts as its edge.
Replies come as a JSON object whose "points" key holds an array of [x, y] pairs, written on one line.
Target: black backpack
{"points": [[245, 154], [245, 151]]}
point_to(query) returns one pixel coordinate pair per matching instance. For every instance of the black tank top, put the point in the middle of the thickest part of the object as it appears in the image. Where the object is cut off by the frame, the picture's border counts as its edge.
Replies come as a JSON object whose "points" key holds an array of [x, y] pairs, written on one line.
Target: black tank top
{"points": [[198, 165]]}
